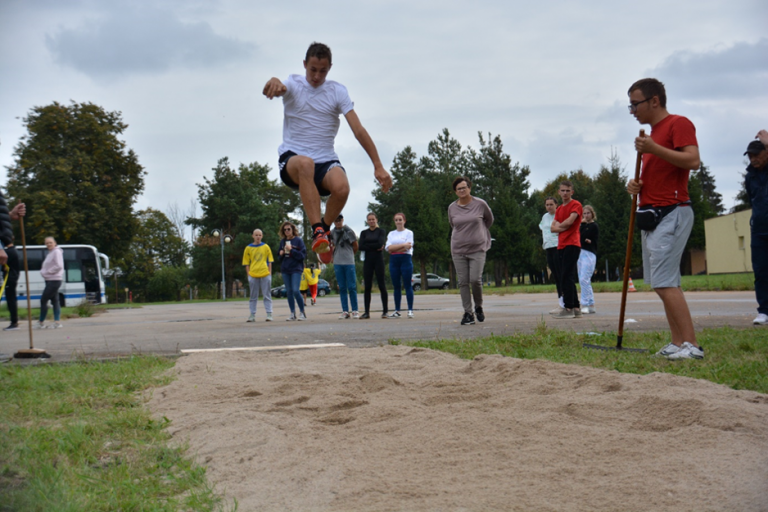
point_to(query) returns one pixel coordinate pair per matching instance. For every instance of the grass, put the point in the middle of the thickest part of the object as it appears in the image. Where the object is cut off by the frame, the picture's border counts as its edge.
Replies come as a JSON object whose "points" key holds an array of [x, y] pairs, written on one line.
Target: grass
{"points": [[733, 357], [77, 437]]}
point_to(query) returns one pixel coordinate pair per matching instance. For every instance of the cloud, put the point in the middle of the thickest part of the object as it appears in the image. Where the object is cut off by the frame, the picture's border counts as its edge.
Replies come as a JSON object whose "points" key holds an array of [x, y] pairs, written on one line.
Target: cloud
{"points": [[143, 41], [739, 71]]}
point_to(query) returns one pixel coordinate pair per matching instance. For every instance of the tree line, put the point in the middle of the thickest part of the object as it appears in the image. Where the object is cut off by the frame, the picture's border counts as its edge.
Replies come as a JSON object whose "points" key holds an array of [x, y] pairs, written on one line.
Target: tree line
{"points": [[80, 183]]}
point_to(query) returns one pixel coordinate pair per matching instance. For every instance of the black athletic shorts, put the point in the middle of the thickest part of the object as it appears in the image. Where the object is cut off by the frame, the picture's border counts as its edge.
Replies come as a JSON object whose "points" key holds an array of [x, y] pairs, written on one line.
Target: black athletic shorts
{"points": [[321, 170]]}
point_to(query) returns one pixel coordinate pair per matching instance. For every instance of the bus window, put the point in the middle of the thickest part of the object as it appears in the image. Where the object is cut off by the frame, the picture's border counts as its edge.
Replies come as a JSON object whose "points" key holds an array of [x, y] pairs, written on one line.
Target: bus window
{"points": [[35, 258]]}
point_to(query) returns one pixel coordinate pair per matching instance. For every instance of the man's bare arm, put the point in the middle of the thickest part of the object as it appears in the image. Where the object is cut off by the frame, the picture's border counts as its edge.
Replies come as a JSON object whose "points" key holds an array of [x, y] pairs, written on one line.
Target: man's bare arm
{"points": [[559, 227], [274, 88], [361, 134], [686, 157]]}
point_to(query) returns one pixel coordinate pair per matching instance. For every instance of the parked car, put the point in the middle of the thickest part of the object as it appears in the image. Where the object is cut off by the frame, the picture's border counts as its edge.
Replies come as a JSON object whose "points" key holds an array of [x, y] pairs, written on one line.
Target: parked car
{"points": [[433, 281], [323, 289]]}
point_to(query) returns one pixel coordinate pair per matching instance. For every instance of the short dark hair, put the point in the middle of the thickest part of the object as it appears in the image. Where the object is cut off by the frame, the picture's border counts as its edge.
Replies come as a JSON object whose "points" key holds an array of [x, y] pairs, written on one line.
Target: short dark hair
{"points": [[550, 198], [650, 87], [459, 179], [320, 51], [567, 183]]}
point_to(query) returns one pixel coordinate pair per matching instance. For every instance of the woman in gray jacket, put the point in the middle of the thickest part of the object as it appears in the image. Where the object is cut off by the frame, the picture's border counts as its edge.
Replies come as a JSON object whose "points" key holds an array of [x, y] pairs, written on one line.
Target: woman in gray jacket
{"points": [[53, 273], [471, 220]]}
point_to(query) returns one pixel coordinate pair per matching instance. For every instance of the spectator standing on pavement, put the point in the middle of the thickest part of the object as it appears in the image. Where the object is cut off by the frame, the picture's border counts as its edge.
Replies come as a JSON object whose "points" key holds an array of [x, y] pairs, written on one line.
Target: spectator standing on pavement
{"points": [[372, 242], [668, 156], [9, 256], [53, 273], [400, 247], [257, 259], [292, 254], [344, 248], [566, 224], [756, 184], [550, 247], [471, 220], [588, 259]]}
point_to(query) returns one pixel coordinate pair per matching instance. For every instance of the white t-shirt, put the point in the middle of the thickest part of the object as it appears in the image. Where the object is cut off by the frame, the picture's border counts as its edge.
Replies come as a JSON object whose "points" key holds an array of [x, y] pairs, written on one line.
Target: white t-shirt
{"points": [[312, 117], [400, 237], [550, 238]]}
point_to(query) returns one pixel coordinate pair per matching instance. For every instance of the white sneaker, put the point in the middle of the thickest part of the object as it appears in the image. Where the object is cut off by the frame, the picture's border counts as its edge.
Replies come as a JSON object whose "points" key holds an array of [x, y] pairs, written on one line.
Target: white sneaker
{"points": [[687, 351], [269, 317], [761, 319], [668, 350], [344, 315], [57, 325], [291, 318], [410, 314], [588, 310], [39, 325], [355, 315], [302, 316], [251, 318]]}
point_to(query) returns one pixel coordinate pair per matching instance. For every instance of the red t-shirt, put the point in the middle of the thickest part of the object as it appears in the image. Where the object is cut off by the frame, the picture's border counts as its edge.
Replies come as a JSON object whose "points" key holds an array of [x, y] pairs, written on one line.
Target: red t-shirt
{"points": [[663, 183], [572, 235]]}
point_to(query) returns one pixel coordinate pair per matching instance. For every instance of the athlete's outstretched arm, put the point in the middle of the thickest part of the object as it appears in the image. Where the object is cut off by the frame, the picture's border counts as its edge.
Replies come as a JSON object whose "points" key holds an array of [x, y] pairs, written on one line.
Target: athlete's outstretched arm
{"points": [[361, 134], [274, 88]]}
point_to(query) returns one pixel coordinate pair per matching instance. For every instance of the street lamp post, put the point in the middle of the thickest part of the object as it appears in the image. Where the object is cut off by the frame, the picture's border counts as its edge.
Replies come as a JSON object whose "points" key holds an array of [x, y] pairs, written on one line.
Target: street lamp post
{"points": [[222, 238]]}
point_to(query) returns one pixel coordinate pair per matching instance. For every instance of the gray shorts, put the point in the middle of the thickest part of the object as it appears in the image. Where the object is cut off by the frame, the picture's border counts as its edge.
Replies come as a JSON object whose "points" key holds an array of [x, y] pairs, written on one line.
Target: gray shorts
{"points": [[663, 248]]}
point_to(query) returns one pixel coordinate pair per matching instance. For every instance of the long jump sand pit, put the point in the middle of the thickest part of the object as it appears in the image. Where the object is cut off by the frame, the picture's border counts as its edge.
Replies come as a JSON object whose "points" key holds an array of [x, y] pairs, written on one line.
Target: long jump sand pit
{"points": [[409, 429]]}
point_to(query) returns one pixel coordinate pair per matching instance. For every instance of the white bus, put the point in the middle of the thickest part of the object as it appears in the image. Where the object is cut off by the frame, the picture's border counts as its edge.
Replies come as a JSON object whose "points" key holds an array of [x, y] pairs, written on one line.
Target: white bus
{"points": [[83, 275]]}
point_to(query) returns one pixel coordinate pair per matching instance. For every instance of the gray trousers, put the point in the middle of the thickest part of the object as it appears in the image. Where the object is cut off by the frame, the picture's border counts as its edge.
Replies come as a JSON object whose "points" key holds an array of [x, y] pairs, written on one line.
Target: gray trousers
{"points": [[469, 269], [261, 285]]}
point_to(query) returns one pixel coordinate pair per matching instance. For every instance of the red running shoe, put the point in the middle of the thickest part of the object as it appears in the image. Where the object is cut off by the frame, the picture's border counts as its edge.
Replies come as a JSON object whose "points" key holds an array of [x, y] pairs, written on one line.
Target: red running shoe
{"points": [[326, 257], [320, 243]]}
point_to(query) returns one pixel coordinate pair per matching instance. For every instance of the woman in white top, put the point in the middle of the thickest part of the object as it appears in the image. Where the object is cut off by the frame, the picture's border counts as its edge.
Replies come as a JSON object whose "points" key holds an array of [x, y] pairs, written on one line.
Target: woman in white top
{"points": [[400, 248], [550, 247], [53, 273]]}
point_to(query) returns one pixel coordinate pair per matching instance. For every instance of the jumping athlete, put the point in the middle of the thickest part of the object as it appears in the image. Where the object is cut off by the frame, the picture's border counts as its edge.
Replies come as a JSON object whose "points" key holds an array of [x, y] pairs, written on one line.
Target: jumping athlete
{"points": [[312, 106]]}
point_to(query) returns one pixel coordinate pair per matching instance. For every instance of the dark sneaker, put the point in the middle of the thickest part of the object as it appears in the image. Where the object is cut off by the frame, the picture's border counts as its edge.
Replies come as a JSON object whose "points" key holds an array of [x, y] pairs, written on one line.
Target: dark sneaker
{"points": [[479, 314], [396, 314], [365, 316], [468, 319], [320, 243], [12, 327], [577, 313], [564, 313]]}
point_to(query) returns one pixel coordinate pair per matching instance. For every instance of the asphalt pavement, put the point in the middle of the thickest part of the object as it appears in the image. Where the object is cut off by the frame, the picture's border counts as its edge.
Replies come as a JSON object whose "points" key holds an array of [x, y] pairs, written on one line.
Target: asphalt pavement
{"points": [[171, 328]]}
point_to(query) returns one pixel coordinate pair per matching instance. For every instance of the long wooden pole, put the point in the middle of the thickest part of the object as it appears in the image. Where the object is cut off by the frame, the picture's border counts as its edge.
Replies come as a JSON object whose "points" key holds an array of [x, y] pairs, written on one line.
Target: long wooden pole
{"points": [[628, 259], [26, 276]]}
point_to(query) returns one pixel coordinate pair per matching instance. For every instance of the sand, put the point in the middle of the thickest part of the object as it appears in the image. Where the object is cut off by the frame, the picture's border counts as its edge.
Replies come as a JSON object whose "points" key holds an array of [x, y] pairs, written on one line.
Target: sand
{"points": [[402, 428]]}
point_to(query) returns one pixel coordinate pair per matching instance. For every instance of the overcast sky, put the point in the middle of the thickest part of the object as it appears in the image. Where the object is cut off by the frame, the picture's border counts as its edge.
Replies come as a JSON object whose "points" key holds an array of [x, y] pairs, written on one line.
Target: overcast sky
{"points": [[549, 77]]}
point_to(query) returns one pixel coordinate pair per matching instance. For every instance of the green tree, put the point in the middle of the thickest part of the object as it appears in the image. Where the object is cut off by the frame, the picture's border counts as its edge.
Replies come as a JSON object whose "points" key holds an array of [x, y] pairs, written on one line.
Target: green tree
{"points": [[155, 245], [237, 201], [77, 178], [702, 210], [612, 205], [714, 198], [505, 188]]}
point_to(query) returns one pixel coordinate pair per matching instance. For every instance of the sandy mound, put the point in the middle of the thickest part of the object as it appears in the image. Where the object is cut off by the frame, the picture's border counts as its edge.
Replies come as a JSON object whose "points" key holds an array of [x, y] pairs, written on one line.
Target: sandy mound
{"points": [[398, 428]]}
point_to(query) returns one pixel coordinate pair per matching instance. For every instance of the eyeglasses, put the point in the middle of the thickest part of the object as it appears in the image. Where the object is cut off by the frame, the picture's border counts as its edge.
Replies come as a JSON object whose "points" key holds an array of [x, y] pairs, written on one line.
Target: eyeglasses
{"points": [[633, 106], [461, 189], [287, 229]]}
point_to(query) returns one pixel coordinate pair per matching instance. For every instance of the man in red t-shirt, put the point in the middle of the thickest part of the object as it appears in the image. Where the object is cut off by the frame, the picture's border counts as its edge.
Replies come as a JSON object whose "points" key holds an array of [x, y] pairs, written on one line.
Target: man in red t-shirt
{"points": [[669, 154], [566, 223]]}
